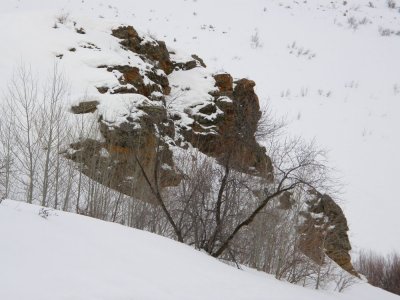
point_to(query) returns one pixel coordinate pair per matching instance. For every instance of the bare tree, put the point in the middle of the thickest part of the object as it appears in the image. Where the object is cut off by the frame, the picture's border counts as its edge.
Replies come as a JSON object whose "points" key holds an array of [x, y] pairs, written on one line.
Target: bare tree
{"points": [[21, 107], [6, 144], [50, 132], [215, 203], [297, 166]]}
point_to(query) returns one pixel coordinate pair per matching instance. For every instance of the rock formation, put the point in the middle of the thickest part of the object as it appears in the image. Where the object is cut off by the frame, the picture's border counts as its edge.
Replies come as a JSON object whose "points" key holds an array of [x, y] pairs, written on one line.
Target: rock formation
{"points": [[324, 231], [176, 102], [221, 123]]}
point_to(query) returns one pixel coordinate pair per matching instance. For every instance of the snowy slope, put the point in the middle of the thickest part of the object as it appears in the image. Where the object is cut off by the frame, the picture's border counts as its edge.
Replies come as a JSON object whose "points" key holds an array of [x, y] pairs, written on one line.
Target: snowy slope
{"points": [[323, 65], [68, 256]]}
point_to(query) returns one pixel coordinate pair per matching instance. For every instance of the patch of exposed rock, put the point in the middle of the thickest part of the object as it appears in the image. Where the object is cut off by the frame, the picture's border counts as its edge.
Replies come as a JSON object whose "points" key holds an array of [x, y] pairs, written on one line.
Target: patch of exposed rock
{"points": [[135, 80], [85, 107], [324, 231], [155, 51], [190, 64]]}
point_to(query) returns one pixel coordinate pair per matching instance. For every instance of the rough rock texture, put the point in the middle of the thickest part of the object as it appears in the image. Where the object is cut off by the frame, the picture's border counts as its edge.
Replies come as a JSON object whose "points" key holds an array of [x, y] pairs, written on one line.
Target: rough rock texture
{"points": [[223, 126], [191, 64], [132, 80], [85, 107], [154, 50], [113, 162], [220, 121], [224, 82], [324, 231], [230, 134]]}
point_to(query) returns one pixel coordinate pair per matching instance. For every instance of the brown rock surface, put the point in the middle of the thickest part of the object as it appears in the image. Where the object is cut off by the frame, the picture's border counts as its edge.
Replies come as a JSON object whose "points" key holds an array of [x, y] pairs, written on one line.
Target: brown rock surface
{"points": [[191, 64], [113, 162], [325, 232], [224, 82], [131, 75], [153, 50], [223, 127], [231, 134], [85, 107]]}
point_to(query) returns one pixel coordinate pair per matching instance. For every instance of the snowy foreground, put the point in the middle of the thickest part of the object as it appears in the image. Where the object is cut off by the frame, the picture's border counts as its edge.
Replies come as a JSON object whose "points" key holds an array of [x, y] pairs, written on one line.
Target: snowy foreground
{"points": [[68, 256], [331, 68]]}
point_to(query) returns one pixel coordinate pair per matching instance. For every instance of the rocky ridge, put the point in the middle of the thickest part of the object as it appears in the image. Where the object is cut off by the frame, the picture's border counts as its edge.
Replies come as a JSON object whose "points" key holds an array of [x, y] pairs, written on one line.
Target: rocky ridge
{"points": [[168, 109], [175, 101]]}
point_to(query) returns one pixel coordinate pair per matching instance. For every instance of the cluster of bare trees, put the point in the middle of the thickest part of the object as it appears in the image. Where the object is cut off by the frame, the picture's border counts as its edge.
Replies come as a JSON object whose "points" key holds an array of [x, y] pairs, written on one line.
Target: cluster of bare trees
{"points": [[31, 132], [35, 129], [381, 271], [230, 215]]}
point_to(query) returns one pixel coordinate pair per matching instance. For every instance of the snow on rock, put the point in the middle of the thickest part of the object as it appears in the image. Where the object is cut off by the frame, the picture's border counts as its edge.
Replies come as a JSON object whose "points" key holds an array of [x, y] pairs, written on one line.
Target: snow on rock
{"points": [[140, 109]]}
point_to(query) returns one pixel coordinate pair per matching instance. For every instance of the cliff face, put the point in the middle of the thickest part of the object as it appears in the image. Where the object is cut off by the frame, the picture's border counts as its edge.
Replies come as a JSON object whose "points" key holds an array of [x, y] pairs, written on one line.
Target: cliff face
{"points": [[173, 102]]}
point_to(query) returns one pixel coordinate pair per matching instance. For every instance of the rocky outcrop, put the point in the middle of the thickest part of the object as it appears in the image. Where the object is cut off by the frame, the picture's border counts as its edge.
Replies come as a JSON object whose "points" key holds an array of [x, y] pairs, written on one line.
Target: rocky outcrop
{"points": [[166, 109], [222, 125], [324, 231], [115, 161], [225, 128], [132, 80], [149, 48]]}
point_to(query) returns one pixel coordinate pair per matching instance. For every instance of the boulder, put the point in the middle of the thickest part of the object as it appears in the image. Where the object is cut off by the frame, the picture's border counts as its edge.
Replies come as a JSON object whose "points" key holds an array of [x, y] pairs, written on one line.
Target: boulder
{"points": [[85, 107]]}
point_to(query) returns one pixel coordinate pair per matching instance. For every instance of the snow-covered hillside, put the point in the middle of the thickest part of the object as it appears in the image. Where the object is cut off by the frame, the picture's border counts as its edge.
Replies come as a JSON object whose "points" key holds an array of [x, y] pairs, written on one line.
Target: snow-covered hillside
{"points": [[329, 67], [57, 255]]}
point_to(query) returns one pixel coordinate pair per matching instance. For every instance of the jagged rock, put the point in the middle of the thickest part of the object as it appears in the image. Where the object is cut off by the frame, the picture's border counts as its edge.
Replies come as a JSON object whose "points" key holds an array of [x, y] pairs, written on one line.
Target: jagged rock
{"points": [[224, 82], [113, 162], [324, 231], [223, 125], [201, 62], [85, 107], [191, 64], [227, 127], [132, 75], [150, 49], [80, 30], [132, 80]]}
